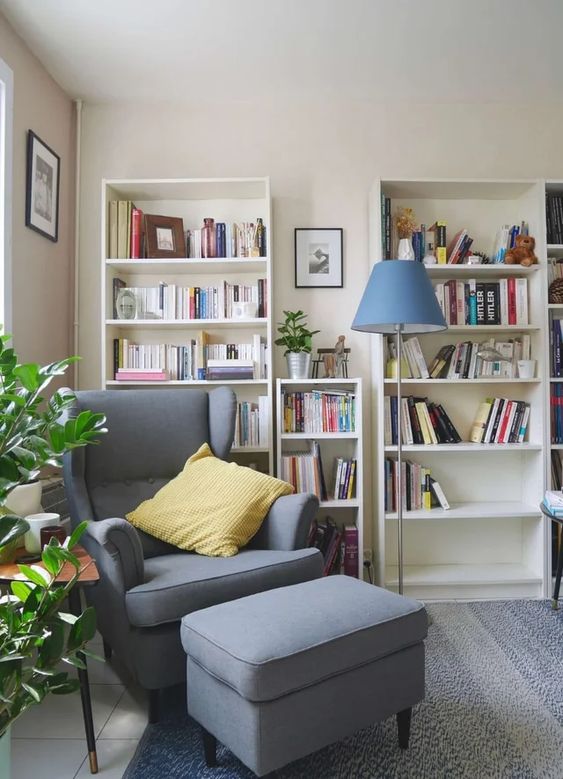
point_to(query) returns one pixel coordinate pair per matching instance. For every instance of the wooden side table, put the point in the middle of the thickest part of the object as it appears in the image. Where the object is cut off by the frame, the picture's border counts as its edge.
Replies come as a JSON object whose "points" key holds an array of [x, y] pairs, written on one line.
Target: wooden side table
{"points": [[559, 520], [88, 577]]}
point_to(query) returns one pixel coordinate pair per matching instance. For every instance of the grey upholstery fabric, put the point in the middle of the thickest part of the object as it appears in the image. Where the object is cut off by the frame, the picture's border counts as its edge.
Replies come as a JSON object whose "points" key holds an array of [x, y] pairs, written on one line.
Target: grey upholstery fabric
{"points": [[179, 584], [278, 531], [142, 594], [273, 643]]}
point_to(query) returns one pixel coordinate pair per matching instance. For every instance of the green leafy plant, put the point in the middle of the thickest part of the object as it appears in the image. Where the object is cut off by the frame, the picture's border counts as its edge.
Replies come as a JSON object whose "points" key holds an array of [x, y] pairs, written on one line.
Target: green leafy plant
{"points": [[35, 636], [294, 333]]}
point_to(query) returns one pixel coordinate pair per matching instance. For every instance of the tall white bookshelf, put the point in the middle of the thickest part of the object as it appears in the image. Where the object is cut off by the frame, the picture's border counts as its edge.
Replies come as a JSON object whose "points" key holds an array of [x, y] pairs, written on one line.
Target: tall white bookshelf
{"points": [[332, 445], [492, 542], [225, 200]]}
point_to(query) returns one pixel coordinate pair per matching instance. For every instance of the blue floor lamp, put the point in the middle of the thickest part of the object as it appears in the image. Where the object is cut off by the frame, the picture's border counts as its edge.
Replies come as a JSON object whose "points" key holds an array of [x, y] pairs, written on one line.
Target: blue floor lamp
{"points": [[399, 298]]}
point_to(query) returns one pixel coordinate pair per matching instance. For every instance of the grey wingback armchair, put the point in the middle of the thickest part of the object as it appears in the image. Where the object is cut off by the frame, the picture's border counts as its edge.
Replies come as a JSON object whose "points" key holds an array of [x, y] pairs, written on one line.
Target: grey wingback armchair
{"points": [[146, 586]]}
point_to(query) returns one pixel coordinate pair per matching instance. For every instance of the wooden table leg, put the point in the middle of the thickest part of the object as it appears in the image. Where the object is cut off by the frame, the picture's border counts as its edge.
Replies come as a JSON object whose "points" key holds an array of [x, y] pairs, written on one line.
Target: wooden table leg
{"points": [[76, 609]]}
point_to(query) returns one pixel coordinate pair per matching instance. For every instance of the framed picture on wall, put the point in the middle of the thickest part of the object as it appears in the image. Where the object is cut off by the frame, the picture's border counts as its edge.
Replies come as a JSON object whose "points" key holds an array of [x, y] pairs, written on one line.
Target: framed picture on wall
{"points": [[42, 188], [318, 257]]}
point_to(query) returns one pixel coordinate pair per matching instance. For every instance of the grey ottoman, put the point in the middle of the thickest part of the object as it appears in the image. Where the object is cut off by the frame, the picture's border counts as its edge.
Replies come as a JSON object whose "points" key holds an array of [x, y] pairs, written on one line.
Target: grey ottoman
{"points": [[278, 675]]}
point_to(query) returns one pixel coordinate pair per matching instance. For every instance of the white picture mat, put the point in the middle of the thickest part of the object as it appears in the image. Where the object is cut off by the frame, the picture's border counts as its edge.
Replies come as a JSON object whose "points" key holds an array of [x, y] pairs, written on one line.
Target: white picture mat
{"points": [[313, 267], [40, 153]]}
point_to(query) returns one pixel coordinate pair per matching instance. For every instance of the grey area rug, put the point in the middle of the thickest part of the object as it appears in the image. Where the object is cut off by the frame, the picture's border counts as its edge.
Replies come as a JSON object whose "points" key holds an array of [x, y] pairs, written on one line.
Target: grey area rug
{"points": [[493, 709]]}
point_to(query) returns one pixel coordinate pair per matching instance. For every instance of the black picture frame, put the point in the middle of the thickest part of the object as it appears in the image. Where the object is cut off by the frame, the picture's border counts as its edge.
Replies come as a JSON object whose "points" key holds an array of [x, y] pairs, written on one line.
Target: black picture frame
{"points": [[319, 257], [43, 175]]}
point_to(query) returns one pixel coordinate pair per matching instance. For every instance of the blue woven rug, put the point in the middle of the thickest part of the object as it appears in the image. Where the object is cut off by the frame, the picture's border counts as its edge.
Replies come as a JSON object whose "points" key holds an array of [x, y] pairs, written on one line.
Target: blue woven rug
{"points": [[493, 710]]}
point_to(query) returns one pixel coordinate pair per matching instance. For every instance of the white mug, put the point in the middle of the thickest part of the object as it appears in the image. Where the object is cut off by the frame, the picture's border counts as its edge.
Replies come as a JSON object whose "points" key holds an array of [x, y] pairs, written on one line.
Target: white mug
{"points": [[32, 539], [526, 369]]}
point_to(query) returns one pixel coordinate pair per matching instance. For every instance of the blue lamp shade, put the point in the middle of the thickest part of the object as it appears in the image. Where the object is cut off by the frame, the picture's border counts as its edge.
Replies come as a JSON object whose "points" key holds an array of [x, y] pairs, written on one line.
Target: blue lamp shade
{"points": [[399, 292]]}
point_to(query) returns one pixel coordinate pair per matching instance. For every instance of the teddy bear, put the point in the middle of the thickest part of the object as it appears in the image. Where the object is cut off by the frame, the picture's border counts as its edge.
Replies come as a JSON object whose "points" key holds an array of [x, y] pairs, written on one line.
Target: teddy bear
{"points": [[523, 252]]}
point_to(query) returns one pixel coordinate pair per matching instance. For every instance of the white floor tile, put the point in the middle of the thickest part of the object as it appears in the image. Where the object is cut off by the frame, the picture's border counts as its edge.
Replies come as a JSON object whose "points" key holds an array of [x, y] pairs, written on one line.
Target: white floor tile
{"points": [[46, 758], [129, 718], [113, 758], [60, 716]]}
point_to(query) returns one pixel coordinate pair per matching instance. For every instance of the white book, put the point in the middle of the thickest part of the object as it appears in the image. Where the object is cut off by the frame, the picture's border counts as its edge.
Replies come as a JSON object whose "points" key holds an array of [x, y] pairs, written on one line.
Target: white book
{"points": [[460, 302], [406, 428], [439, 291], [411, 361], [264, 421], [419, 358], [526, 347], [503, 286], [439, 492], [521, 301], [387, 430]]}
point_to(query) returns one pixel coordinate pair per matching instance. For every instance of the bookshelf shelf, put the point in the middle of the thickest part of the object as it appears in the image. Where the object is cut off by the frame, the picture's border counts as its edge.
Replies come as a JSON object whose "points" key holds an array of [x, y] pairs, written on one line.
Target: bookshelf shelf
{"points": [[182, 266], [196, 324], [467, 446], [472, 510], [175, 342], [480, 380], [469, 271], [491, 543], [332, 445], [555, 247], [187, 383]]}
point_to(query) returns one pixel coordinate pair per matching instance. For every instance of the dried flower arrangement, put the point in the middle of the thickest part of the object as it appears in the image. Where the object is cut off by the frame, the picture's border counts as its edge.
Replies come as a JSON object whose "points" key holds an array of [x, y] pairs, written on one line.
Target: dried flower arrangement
{"points": [[405, 222]]}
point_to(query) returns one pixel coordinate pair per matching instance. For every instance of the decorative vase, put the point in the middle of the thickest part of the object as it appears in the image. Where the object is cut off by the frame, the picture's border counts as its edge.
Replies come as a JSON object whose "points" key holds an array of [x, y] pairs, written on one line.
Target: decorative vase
{"points": [[298, 365], [405, 250], [5, 750]]}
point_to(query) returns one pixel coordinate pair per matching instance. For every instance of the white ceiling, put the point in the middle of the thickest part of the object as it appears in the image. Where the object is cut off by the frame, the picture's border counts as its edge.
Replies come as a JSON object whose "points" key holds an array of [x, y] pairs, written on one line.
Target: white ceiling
{"points": [[190, 50]]}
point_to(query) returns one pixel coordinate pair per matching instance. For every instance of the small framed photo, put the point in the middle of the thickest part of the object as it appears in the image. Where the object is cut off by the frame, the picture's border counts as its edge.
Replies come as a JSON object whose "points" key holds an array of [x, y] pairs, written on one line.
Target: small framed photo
{"points": [[164, 236], [318, 257], [42, 188]]}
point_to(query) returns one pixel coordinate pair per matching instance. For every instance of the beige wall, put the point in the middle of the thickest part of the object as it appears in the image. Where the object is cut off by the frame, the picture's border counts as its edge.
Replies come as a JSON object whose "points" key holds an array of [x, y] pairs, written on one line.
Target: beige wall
{"points": [[42, 270], [322, 160]]}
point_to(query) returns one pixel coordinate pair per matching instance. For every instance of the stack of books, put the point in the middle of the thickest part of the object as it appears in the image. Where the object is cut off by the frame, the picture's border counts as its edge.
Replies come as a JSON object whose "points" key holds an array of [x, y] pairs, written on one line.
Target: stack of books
{"points": [[304, 471], [418, 489], [141, 374], [459, 248], [461, 360], [230, 239], [500, 421], [252, 424], [339, 547], [553, 501], [554, 217], [423, 422], [506, 239], [319, 411], [554, 269], [233, 368], [126, 233], [502, 302], [414, 364], [344, 479]]}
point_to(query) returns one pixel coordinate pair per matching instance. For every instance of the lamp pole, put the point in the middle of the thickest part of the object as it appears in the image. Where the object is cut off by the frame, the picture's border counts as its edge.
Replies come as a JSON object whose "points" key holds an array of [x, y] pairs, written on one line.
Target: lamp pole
{"points": [[398, 484]]}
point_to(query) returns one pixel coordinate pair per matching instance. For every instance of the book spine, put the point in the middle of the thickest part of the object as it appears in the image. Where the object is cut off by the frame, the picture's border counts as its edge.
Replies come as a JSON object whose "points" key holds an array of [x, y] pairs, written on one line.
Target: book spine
{"points": [[351, 551], [441, 251], [136, 227], [480, 301]]}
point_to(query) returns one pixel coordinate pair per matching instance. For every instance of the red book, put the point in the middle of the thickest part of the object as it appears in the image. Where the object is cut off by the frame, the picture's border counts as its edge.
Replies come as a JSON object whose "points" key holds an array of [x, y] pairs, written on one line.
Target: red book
{"points": [[500, 437], [136, 233], [351, 551], [511, 300]]}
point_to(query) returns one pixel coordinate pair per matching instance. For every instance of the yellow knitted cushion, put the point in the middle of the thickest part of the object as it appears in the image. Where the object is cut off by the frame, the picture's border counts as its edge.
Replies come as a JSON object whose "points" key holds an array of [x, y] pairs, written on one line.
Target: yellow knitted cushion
{"points": [[211, 507]]}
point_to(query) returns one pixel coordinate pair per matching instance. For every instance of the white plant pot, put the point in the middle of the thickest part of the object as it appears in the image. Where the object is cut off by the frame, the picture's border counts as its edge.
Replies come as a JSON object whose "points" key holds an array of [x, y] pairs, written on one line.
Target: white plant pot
{"points": [[298, 365], [405, 250], [25, 499], [5, 755]]}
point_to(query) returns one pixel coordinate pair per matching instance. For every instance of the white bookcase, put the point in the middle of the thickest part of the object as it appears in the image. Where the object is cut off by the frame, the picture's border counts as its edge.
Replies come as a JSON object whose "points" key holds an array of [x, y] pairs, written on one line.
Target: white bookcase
{"points": [[492, 542], [332, 445], [226, 200]]}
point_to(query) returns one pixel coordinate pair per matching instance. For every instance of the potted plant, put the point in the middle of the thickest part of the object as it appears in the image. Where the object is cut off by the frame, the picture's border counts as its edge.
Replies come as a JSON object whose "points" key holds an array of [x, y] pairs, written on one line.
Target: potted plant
{"points": [[297, 340], [34, 635]]}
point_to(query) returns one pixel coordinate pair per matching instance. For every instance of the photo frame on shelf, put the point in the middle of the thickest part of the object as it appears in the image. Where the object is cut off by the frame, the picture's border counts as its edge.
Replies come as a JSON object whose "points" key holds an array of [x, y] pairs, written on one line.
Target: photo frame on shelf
{"points": [[164, 237], [42, 188], [319, 257]]}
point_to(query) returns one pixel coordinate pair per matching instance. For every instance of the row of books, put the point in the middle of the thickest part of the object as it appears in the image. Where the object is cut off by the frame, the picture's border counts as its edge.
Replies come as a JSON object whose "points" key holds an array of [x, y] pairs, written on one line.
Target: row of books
{"points": [[196, 360], [169, 301], [126, 233], [554, 269], [304, 471], [413, 362], [319, 411], [506, 239], [500, 421], [252, 424], [418, 489], [422, 422], [556, 347], [554, 218], [227, 239], [462, 361], [503, 302], [339, 547], [556, 413]]}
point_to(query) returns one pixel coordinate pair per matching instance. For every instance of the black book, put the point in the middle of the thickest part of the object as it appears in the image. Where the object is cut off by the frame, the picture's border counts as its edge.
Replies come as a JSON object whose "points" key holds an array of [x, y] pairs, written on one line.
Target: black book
{"points": [[408, 486], [415, 423], [451, 427], [441, 429], [480, 297], [496, 423], [516, 422], [490, 304], [467, 361], [115, 356]]}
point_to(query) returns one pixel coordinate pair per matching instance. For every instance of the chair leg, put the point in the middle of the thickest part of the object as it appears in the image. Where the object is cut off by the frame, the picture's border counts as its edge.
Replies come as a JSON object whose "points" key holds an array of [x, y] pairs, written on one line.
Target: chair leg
{"points": [[209, 748], [154, 698], [554, 602], [107, 650], [404, 727]]}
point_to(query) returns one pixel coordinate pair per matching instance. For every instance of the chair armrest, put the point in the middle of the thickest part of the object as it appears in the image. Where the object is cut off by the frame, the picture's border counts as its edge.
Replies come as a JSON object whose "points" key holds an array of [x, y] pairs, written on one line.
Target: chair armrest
{"points": [[116, 540], [287, 524]]}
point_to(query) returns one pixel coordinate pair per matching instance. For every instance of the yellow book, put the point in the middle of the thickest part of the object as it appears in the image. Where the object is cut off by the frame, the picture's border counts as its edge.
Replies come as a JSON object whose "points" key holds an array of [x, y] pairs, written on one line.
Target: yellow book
{"points": [[420, 409], [480, 422], [122, 230], [112, 229]]}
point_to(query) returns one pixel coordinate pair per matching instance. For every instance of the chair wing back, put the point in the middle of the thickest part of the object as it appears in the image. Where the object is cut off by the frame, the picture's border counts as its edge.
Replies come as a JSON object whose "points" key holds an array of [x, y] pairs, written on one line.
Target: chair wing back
{"points": [[151, 434]]}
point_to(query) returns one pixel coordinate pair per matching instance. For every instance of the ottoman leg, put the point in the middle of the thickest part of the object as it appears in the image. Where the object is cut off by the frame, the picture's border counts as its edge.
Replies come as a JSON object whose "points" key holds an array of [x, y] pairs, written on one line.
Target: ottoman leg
{"points": [[209, 748], [404, 727]]}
